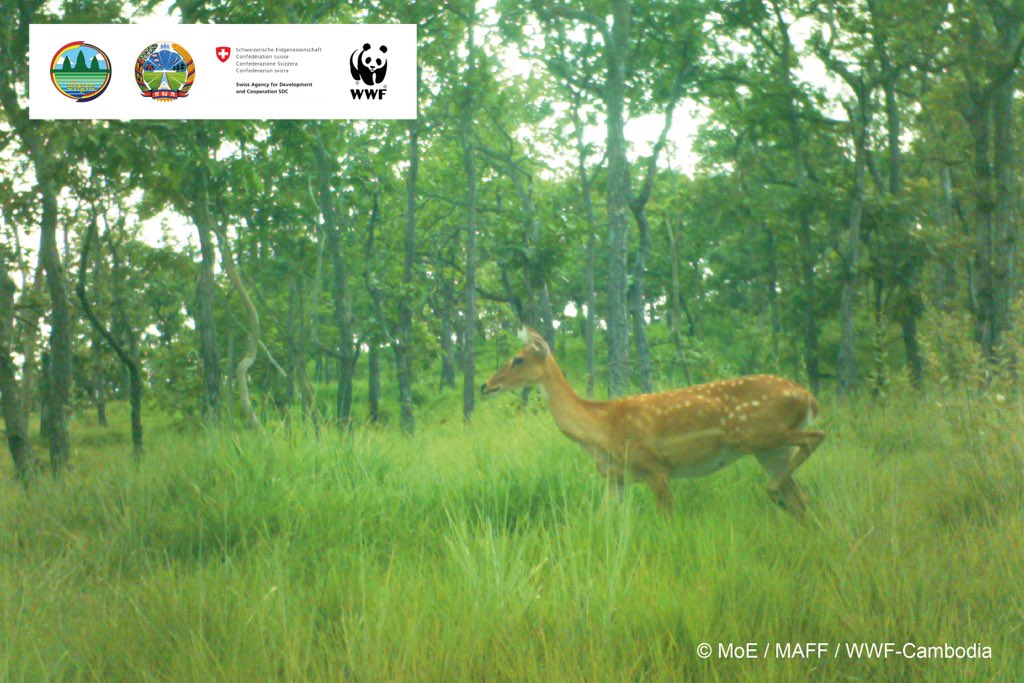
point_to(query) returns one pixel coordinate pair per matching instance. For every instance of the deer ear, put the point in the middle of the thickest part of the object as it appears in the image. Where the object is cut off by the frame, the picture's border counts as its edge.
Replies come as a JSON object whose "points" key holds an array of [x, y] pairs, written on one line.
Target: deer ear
{"points": [[534, 342]]}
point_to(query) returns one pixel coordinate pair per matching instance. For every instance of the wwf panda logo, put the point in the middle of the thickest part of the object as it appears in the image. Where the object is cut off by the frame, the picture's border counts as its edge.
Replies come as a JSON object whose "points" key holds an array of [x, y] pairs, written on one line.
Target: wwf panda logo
{"points": [[369, 65]]}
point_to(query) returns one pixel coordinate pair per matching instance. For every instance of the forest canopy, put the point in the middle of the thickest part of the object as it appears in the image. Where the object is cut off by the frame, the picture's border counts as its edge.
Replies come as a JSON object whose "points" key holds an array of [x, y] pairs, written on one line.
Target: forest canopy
{"points": [[670, 192]]}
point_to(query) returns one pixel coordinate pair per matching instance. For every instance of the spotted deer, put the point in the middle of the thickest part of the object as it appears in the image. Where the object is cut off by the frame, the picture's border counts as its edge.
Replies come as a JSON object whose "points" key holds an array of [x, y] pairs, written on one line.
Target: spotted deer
{"points": [[689, 432]]}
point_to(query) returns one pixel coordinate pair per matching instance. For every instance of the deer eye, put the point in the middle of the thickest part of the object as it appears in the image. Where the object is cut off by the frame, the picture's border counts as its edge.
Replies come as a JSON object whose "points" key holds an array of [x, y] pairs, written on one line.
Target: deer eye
{"points": [[518, 360]]}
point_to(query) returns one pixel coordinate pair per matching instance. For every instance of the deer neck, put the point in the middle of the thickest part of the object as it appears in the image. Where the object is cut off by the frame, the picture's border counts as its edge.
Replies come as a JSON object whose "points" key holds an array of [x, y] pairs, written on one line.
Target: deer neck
{"points": [[580, 420]]}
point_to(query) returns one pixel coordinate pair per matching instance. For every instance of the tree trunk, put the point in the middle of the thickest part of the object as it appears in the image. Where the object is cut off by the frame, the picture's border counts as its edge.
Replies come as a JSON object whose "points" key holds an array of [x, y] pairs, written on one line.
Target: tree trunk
{"points": [[469, 327], [206, 293], [25, 327], [638, 205], [809, 302], [129, 357], [590, 323], [373, 380], [57, 398], [908, 325], [45, 426], [376, 295], [803, 210], [674, 301], [252, 337], [847, 362], [538, 280], [230, 356], [807, 258], [548, 314], [878, 378], [134, 376], [637, 304], [945, 274], [618, 194], [979, 118], [403, 347], [591, 254], [773, 294], [15, 417], [59, 394], [339, 289], [448, 354], [469, 166], [99, 381], [28, 329], [98, 389], [696, 320], [1004, 270], [911, 280]]}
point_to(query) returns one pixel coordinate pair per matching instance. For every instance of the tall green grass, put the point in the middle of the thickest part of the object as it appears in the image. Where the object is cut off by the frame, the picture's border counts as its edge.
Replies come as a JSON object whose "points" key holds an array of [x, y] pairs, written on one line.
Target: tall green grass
{"points": [[483, 554]]}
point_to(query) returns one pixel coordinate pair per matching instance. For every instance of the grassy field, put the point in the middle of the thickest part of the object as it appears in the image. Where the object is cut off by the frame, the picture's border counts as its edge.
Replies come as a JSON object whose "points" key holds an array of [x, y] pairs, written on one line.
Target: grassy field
{"points": [[482, 555]]}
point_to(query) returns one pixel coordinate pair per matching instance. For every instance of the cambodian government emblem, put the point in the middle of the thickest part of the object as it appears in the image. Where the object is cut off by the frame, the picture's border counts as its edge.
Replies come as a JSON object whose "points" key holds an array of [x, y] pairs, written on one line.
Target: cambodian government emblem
{"points": [[165, 72], [80, 71]]}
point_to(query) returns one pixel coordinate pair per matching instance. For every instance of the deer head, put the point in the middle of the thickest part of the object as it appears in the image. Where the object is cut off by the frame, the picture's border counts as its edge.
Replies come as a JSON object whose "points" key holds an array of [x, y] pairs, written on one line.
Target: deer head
{"points": [[529, 366]]}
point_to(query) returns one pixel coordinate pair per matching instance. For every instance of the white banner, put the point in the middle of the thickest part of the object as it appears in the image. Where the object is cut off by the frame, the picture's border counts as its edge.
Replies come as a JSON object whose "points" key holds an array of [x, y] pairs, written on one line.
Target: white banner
{"points": [[222, 71]]}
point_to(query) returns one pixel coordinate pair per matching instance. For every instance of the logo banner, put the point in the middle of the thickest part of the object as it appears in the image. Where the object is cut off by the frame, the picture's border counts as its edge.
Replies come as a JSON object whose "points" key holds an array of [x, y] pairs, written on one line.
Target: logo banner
{"points": [[222, 71]]}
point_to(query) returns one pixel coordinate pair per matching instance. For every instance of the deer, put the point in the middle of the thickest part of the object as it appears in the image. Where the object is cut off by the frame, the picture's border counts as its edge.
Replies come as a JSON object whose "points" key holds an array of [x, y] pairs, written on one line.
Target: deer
{"points": [[681, 433]]}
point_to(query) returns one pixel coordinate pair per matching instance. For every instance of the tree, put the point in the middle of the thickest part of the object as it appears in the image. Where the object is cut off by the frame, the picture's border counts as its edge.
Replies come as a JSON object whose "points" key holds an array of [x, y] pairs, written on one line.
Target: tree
{"points": [[862, 82], [206, 287], [252, 337], [638, 205], [469, 168], [37, 143], [786, 113], [15, 418], [987, 84], [403, 350], [586, 182], [615, 48], [128, 355]]}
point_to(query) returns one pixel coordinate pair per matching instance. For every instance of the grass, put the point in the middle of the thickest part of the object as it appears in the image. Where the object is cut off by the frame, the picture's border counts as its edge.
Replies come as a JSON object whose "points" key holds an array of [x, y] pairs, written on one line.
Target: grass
{"points": [[482, 554]]}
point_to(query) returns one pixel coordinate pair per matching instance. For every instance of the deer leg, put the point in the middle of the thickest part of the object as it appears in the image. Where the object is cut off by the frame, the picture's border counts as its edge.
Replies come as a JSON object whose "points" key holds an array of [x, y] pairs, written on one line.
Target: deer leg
{"points": [[789, 496], [805, 442], [784, 491], [662, 492]]}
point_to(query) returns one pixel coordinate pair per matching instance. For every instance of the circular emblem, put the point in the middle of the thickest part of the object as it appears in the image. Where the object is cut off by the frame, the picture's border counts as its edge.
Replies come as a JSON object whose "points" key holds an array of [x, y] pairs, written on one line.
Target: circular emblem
{"points": [[165, 72], [80, 71]]}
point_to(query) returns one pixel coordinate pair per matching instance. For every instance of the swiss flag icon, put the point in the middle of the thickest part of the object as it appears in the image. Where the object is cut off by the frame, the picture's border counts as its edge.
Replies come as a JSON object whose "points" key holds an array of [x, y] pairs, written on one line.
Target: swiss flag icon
{"points": [[223, 53]]}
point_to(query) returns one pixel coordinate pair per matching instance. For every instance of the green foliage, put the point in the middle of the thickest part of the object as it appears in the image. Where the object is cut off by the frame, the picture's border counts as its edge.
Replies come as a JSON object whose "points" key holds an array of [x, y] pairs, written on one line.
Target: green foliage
{"points": [[955, 358], [483, 553], [767, 125]]}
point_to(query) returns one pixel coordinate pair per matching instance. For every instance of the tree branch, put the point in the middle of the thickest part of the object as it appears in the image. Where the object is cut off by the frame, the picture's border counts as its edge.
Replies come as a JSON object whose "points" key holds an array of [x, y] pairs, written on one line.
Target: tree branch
{"points": [[90, 314], [582, 16]]}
